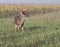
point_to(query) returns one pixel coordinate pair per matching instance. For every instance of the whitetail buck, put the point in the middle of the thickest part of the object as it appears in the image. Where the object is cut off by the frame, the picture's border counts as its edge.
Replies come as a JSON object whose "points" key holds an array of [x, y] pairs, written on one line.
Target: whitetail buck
{"points": [[19, 20]]}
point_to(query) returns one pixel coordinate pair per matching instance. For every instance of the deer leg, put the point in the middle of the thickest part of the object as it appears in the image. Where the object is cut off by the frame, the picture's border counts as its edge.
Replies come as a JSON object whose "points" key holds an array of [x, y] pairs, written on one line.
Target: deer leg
{"points": [[16, 27], [22, 26]]}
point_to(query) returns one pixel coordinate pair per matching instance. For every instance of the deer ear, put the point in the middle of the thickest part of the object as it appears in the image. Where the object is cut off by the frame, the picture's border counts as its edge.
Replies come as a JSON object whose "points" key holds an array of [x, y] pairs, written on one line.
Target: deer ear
{"points": [[25, 8]]}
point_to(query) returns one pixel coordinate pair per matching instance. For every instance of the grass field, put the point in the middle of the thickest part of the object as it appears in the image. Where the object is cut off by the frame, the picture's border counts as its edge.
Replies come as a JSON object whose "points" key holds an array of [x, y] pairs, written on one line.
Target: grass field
{"points": [[40, 31]]}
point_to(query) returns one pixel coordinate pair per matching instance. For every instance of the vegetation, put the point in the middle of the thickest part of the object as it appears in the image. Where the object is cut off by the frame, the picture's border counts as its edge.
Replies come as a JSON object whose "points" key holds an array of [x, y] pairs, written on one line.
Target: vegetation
{"points": [[12, 10], [41, 30]]}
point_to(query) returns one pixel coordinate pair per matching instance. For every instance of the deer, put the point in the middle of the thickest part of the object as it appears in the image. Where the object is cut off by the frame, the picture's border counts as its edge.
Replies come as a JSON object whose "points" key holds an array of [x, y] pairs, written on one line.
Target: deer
{"points": [[19, 20]]}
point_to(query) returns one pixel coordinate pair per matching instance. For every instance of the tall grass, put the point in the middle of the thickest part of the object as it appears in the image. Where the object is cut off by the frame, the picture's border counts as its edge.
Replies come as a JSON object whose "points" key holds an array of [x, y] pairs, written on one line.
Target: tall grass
{"points": [[40, 31]]}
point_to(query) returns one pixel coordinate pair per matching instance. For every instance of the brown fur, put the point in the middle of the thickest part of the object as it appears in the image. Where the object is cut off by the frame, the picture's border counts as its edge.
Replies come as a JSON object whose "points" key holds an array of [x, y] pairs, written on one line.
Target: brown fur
{"points": [[18, 23], [19, 20]]}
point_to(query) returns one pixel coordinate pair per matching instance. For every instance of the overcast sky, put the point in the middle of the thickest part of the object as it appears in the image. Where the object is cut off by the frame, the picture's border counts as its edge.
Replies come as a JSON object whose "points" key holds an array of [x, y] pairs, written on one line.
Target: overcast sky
{"points": [[29, 1]]}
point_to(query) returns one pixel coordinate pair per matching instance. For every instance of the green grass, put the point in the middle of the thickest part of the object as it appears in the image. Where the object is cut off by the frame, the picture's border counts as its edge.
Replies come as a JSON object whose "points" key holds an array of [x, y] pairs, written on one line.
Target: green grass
{"points": [[40, 31]]}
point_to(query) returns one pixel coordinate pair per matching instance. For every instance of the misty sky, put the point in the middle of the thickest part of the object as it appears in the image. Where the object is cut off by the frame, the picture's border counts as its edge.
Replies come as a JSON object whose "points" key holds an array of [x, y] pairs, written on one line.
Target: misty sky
{"points": [[29, 1]]}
